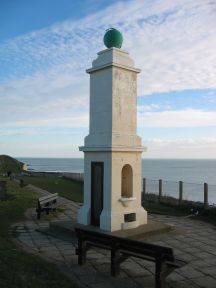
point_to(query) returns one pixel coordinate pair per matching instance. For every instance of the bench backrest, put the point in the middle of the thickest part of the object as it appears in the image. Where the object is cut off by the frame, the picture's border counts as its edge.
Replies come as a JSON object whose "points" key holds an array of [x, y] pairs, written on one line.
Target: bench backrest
{"points": [[98, 238], [52, 198], [127, 245]]}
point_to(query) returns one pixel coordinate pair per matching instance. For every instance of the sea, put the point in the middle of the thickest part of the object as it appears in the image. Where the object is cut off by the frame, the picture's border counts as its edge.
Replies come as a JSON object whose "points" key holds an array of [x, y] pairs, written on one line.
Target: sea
{"points": [[193, 172]]}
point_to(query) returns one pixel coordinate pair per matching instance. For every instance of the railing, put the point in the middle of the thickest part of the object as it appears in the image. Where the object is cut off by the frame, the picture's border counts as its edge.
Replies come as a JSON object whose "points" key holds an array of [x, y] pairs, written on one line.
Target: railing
{"points": [[73, 176], [68, 175], [181, 191]]}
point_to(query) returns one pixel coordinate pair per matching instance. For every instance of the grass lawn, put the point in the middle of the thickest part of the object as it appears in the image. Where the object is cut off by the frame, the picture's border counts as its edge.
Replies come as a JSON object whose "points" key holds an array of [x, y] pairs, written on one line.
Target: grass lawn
{"points": [[70, 189], [19, 269], [160, 208]]}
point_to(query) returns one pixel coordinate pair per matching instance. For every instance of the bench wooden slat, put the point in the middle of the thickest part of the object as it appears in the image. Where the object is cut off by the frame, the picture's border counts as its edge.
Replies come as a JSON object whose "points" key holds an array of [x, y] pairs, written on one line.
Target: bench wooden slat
{"points": [[48, 197], [53, 200]]}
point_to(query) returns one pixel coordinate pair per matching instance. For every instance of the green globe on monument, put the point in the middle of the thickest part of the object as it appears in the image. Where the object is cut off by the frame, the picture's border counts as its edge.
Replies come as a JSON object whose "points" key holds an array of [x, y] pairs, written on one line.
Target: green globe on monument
{"points": [[113, 38]]}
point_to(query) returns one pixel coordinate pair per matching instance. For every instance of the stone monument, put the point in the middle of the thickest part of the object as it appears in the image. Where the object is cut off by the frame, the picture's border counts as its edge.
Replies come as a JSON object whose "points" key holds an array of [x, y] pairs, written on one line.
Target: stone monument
{"points": [[112, 150]]}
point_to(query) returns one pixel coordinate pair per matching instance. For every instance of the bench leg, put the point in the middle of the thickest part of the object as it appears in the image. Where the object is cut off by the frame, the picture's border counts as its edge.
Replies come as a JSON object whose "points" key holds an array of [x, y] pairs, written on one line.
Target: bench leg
{"points": [[38, 210], [115, 264], [159, 277], [38, 214], [81, 251]]}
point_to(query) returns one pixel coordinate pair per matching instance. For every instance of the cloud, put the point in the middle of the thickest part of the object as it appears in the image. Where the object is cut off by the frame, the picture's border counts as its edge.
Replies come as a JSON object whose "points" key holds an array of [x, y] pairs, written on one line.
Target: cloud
{"points": [[211, 97], [148, 107], [43, 79], [180, 148], [178, 118], [44, 149], [76, 121], [183, 142], [173, 42], [45, 100]]}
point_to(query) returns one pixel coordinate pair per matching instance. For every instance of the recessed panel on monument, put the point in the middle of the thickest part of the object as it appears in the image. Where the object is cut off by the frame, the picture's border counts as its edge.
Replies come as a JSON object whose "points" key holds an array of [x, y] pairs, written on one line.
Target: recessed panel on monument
{"points": [[114, 201]]}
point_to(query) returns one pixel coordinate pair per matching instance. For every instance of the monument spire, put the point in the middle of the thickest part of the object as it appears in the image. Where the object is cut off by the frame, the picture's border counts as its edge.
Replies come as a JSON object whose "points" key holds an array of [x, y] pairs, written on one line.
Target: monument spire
{"points": [[112, 150]]}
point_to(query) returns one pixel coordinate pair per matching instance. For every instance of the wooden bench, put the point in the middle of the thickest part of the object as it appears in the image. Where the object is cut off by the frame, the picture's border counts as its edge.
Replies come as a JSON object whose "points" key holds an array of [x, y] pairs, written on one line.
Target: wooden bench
{"points": [[122, 248], [47, 203]]}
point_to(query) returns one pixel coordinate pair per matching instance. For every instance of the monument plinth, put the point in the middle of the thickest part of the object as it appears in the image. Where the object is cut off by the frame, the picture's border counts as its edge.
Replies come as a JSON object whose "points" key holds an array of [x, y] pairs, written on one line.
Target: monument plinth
{"points": [[112, 150]]}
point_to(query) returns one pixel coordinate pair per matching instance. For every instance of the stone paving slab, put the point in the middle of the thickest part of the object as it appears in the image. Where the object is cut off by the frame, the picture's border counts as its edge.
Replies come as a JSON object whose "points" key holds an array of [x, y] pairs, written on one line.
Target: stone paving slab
{"points": [[194, 243], [206, 281]]}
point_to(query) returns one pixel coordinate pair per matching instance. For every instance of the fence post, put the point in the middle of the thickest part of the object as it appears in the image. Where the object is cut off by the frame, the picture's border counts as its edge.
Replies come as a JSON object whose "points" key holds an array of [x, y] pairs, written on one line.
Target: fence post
{"points": [[144, 186], [205, 195], [180, 192], [160, 189], [144, 189]]}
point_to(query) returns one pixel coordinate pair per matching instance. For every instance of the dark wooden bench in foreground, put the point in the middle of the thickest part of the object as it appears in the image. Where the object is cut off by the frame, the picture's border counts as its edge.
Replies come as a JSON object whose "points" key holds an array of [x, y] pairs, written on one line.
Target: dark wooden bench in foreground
{"points": [[47, 203], [122, 248]]}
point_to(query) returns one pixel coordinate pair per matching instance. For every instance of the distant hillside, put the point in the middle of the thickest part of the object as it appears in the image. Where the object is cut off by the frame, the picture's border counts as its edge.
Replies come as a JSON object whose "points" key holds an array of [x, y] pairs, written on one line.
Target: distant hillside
{"points": [[8, 163]]}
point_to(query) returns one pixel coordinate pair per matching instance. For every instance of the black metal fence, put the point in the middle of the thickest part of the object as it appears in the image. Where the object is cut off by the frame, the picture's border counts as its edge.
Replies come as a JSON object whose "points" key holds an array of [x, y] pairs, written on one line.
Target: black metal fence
{"points": [[203, 193], [180, 191], [73, 176]]}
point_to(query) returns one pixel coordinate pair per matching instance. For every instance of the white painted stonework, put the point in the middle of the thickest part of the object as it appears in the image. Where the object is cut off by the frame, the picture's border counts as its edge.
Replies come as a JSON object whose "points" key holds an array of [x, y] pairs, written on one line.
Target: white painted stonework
{"points": [[113, 141]]}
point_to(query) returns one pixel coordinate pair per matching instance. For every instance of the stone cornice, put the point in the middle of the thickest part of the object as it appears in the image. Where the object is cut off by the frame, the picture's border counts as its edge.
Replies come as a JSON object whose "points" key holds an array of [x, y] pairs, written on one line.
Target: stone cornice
{"points": [[112, 149]]}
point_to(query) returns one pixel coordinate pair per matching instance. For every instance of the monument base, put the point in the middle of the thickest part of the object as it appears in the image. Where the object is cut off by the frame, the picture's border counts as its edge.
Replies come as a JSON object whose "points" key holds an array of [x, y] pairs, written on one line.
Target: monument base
{"points": [[84, 215], [65, 229], [115, 220]]}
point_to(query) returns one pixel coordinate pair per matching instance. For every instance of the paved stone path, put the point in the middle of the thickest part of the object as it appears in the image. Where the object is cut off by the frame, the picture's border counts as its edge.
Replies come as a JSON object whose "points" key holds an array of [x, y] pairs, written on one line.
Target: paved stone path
{"points": [[194, 241]]}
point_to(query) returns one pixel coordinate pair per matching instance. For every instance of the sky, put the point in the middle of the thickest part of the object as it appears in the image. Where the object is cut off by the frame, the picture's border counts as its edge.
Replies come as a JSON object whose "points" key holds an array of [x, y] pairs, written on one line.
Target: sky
{"points": [[46, 46]]}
